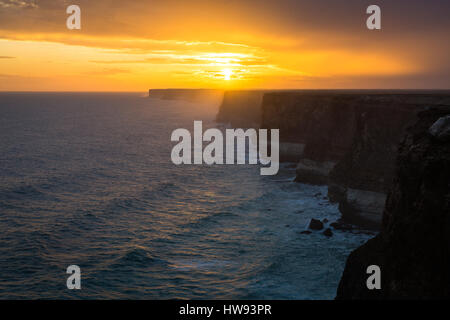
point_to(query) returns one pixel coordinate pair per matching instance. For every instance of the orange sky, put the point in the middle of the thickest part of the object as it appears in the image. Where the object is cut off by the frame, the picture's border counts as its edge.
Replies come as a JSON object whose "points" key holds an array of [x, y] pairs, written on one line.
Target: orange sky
{"points": [[137, 45]]}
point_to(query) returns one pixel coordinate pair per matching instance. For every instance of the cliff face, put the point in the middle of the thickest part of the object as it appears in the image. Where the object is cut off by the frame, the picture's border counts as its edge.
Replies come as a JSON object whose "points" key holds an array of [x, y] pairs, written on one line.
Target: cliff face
{"points": [[241, 109], [361, 179], [347, 140], [316, 127], [369, 163], [190, 95], [413, 248]]}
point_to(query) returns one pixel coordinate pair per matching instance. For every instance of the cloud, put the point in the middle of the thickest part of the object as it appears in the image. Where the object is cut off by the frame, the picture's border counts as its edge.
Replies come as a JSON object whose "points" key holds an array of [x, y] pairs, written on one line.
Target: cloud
{"points": [[18, 4], [194, 58], [317, 37]]}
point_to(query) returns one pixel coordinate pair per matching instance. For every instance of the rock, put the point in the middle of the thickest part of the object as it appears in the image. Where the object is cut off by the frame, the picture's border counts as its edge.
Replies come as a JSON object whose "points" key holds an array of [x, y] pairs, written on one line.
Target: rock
{"points": [[336, 193], [363, 208], [339, 225], [315, 224], [412, 249], [306, 232], [441, 129], [325, 220], [328, 232]]}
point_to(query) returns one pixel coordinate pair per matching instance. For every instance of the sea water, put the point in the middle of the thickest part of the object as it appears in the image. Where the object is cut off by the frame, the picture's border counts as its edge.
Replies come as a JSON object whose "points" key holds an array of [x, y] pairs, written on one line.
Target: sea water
{"points": [[87, 179]]}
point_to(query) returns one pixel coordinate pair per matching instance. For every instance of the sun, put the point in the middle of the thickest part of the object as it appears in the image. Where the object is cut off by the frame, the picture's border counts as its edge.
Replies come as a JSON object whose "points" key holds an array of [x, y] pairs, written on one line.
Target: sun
{"points": [[227, 73]]}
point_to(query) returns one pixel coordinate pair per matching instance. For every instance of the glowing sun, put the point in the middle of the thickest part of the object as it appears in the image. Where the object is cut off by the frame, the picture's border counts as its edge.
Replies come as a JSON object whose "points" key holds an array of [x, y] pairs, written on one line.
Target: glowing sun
{"points": [[227, 73]]}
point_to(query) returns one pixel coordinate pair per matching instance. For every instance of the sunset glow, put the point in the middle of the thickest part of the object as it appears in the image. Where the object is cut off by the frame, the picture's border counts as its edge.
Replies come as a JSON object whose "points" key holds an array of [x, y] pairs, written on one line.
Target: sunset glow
{"points": [[208, 45], [227, 74]]}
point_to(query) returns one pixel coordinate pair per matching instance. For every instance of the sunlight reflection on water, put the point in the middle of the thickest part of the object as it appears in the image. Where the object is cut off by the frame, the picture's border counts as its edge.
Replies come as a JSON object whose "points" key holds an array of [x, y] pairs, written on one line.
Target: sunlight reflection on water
{"points": [[87, 180]]}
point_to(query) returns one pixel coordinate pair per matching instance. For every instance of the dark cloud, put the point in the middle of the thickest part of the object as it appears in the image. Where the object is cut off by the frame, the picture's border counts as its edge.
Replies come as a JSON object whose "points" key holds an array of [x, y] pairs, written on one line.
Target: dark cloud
{"points": [[291, 16]]}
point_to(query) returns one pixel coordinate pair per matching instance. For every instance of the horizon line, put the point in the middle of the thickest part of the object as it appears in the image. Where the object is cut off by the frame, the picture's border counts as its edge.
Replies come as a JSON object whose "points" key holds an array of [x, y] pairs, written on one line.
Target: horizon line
{"points": [[255, 89]]}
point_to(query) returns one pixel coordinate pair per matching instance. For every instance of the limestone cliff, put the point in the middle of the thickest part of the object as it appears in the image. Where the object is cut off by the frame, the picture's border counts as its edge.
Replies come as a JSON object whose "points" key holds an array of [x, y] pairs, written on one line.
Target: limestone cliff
{"points": [[316, 127], [413, 248], [363, 176], [348, 140], [241, 109]]}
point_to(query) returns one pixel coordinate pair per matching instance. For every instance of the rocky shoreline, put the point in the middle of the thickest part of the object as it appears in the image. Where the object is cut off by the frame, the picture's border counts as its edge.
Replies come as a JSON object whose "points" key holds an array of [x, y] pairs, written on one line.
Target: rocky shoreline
{"points": [[385, 157], [345, 139], [386, 160]]}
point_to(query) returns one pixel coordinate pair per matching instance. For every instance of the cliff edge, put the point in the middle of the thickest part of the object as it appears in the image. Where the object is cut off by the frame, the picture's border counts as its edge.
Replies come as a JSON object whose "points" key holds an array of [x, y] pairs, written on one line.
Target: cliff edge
{"points": [[413, 247], [241, 109]]}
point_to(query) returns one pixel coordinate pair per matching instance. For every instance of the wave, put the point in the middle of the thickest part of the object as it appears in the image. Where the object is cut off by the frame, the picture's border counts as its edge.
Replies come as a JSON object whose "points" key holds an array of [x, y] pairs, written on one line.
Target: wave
{"points": [[20, 192], [138, 257]]}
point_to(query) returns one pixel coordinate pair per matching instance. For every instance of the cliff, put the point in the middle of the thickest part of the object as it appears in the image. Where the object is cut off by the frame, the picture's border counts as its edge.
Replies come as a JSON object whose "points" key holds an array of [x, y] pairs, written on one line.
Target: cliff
{"points": [[315, 127], [241, 109], [190, 95], [413, 247], [348, 140], [361, 179]]}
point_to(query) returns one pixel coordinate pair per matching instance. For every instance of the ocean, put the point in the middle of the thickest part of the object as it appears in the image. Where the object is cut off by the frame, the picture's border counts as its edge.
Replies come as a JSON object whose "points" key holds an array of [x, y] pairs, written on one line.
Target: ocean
{"points": [[86, 179]]}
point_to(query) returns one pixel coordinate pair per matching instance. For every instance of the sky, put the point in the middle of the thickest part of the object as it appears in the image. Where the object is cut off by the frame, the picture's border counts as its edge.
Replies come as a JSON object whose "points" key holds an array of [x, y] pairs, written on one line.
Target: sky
{"points": [[246, 44]]}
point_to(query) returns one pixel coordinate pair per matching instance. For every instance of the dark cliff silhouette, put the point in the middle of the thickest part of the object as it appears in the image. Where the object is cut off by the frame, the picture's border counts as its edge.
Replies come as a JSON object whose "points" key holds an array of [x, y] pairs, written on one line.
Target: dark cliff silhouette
{"points": [[413, 248]]}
